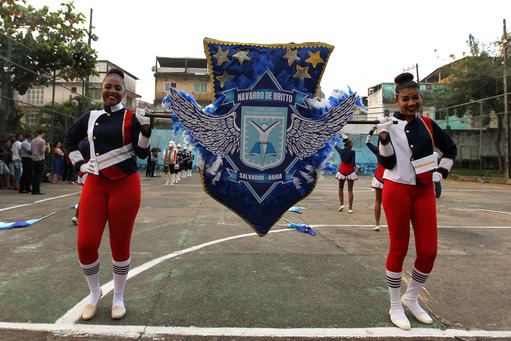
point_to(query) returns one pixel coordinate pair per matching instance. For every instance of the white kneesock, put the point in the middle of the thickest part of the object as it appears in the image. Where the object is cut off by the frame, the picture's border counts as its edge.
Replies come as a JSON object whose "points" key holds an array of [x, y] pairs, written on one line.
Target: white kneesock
{"points": [[394, 284], [412, 292], [120, 271], [91, 272]]}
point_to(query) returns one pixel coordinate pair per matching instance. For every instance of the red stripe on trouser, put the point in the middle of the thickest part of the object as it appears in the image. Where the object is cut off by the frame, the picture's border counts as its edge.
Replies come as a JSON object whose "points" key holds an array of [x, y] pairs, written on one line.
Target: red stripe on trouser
{"points": [[416, 204], [118, 202]]}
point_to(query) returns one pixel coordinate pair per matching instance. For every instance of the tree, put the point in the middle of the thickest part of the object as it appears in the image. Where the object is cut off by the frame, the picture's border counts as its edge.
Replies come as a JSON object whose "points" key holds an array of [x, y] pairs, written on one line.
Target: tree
{"points": [[38, 45], [477, 76]]}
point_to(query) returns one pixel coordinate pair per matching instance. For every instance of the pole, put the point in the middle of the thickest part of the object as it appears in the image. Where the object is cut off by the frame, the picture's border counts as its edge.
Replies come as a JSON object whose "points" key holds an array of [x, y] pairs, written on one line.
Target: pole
{"points": [[506, 112], [481, 139], [166, 114], [89, 42]]}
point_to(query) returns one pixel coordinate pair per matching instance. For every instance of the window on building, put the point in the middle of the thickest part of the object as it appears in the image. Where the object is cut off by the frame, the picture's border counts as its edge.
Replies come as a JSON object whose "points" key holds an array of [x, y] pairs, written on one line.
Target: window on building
{"points": [[35, 96], [31, 119], [168, 85], [440, 115], [129, 102], [200, 87], [73, 89]]}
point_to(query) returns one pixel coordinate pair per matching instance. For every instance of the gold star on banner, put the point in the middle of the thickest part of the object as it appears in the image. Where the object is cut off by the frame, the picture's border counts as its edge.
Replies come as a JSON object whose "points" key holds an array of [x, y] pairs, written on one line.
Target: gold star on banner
{"points": [[314, 59], [241, 56], [291, 56], [302, 72], [221, 56], [224, 78]]}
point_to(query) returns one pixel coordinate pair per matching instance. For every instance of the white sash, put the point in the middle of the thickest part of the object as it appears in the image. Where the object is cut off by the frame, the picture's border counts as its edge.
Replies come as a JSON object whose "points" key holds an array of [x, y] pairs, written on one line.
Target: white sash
{"points": [[115, 156]]}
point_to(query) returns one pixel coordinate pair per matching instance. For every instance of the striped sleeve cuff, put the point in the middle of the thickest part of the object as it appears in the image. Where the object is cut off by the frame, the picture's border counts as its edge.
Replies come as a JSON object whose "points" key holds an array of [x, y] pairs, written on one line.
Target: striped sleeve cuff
{"points": [[446, 163], [144, 142], [385, 148]]}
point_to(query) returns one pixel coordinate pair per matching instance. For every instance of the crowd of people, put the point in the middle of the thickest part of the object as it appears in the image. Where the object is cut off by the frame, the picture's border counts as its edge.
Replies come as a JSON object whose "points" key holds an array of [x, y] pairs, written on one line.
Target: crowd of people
{"points": [[23, 163]]}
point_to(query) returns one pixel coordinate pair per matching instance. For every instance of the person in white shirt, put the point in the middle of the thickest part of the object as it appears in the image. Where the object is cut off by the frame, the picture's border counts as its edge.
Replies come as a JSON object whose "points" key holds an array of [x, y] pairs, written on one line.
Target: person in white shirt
{"points": [[16, 161]]}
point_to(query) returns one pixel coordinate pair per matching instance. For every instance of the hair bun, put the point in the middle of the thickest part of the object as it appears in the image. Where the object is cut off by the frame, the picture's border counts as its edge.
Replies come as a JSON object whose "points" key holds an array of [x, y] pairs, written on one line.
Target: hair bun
{"points": [[403, 78], [116, 72]]}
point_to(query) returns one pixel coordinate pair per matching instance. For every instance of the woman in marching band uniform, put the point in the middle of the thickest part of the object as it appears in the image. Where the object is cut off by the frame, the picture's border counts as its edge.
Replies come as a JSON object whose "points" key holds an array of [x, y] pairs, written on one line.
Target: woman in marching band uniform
{"points": [[112, 189], [346, 172], [407, 152]]}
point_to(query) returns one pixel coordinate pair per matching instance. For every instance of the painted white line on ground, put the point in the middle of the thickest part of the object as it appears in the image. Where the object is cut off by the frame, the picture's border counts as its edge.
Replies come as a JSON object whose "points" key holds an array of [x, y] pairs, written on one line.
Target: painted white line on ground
{"points": [[73, 314], [480, 209], [152, 332], [38, 201], [440, 226]]}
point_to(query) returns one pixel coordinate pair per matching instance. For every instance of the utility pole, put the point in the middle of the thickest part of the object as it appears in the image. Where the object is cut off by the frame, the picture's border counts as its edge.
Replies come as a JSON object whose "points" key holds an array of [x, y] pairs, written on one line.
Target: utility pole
{"points": [[94, 37], [506, 104]]}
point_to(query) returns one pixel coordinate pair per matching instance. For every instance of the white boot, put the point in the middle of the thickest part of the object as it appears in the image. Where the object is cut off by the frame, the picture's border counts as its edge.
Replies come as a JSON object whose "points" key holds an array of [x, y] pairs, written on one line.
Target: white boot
{"points": [[120, 272], [172, 179], [411, 297], [91, 272], [168, 180], [178, 176], [397, 313]]}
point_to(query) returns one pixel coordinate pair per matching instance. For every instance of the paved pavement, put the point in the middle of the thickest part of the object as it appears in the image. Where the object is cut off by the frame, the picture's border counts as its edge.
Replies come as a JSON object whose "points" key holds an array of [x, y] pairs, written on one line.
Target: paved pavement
{"points": [[200, 273]]}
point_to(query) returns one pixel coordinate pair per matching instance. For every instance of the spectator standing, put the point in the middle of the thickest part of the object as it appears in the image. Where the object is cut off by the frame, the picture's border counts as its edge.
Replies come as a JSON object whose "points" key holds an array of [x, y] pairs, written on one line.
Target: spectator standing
{"points": [[38, 150], [26, 162], [5, 157], [16, 161], [58, 162]]}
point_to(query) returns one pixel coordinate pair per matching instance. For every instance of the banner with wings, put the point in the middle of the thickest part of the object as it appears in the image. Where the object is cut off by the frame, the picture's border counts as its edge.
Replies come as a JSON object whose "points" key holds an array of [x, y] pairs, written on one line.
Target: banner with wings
{"points": [[266, 135]]}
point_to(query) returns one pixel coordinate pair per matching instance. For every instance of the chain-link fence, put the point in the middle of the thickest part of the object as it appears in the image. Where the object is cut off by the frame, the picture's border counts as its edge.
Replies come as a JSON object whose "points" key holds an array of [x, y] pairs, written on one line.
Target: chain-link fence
{"points": [[51, 105]]}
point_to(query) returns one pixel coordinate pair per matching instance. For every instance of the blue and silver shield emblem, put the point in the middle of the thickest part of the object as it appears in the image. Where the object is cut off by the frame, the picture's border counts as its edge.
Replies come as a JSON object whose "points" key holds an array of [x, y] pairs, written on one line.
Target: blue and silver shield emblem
{"points": [[262, 142], [263, 136]]}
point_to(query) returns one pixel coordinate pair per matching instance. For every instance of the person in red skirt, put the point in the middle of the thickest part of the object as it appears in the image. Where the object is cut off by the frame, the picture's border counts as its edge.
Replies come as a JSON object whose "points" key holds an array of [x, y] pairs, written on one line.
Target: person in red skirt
{"points": [[377, 182], [112, 189], [346, 172], [407, 152]]}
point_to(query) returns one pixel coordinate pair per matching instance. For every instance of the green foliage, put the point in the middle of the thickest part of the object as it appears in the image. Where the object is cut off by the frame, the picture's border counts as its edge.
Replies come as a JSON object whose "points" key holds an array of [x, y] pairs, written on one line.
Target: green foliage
{"points": [[475, 77], [39, 42]]}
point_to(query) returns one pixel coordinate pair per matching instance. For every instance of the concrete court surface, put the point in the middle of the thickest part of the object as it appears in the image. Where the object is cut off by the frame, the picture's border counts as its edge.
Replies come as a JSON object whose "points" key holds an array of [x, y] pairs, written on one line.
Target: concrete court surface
{"points": [[199, 272]]}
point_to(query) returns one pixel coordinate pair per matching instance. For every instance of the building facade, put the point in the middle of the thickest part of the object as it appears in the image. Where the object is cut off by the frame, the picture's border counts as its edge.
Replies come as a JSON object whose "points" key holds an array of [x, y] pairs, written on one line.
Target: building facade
{"points": [[187, 74], [61, 91]]}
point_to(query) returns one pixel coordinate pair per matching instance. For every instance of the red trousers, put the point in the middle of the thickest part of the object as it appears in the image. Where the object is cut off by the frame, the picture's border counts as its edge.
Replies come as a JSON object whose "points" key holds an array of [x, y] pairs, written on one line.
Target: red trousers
{"points": [[416, 204], [102, 200]]}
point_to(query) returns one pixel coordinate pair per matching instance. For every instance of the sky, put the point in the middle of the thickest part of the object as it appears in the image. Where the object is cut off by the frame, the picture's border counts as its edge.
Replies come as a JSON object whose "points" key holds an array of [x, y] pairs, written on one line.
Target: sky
{"points": [[374, 40]]}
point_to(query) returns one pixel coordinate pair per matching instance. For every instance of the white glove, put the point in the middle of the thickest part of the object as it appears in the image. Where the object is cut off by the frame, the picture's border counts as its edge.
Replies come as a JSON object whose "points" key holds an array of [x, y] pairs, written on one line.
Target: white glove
{"points": [[385, 123], [141, 117], [88, 167], [437, 176]]}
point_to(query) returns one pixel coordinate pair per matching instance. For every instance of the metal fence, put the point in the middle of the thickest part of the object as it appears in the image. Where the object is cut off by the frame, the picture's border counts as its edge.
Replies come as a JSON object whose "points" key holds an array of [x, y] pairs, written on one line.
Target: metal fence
{"points": [[53, 107]]}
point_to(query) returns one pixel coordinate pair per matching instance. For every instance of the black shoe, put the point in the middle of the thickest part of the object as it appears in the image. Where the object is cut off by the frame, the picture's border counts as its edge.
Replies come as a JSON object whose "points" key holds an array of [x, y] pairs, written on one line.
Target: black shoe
{"points": [[22, 191], [38, 193]]}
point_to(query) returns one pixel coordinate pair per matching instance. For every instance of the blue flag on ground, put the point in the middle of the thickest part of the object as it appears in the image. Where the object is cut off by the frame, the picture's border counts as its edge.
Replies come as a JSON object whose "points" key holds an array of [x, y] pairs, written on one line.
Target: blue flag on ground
{"points": [[21, 223]]}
